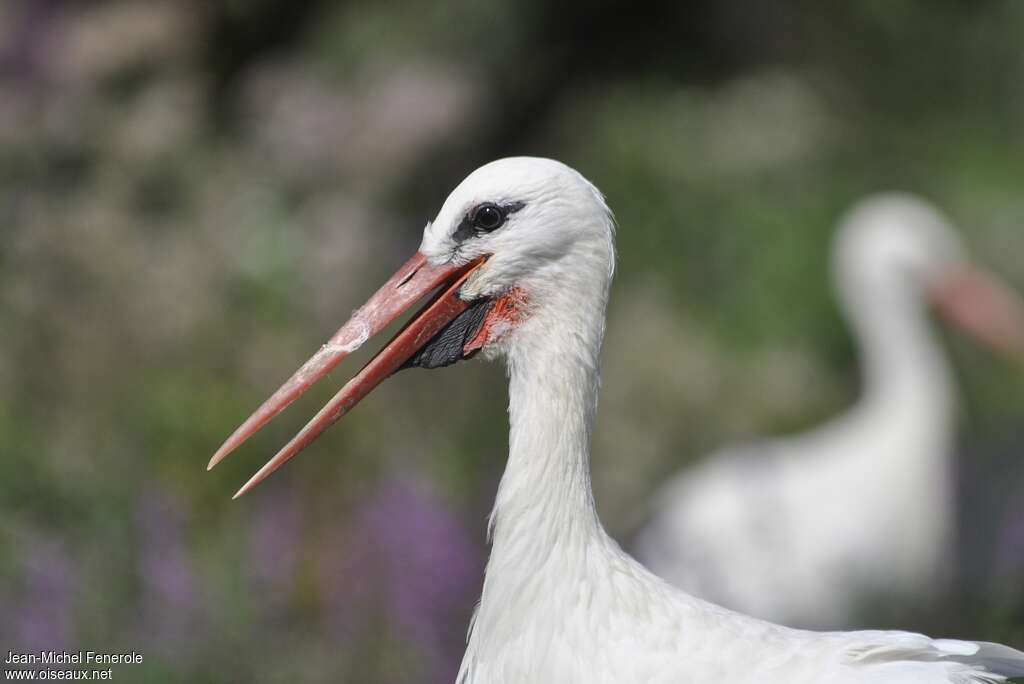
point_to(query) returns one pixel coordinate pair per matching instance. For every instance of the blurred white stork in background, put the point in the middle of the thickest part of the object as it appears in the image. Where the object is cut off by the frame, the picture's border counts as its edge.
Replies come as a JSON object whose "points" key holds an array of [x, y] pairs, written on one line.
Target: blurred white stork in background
{"points": [[803, 530], [521, 258]]}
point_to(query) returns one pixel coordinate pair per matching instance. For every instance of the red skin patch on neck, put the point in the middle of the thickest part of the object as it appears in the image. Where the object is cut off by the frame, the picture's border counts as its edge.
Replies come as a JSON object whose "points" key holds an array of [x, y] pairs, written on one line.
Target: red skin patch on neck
{"points": [[508, 310]]}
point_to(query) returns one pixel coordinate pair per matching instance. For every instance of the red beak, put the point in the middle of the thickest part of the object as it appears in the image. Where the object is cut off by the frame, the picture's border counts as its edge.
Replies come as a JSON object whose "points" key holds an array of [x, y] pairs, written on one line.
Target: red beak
{"points": [[413, 281], [983, 307]]}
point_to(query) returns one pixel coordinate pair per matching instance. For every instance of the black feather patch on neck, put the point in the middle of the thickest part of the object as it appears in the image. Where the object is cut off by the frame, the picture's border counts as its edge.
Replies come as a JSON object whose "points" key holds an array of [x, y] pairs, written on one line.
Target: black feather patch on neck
{"points": [[446, 347]]}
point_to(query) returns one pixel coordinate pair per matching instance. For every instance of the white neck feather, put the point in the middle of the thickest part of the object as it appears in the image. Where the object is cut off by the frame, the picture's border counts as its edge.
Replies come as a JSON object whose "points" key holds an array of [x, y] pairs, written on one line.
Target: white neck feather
{"points": [[905, 371], [545, 529], [545, 498]]}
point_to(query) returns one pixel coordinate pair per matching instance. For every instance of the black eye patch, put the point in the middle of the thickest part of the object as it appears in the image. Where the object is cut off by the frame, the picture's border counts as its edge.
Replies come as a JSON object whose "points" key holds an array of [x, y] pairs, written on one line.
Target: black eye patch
{"points": [[485, 218]]}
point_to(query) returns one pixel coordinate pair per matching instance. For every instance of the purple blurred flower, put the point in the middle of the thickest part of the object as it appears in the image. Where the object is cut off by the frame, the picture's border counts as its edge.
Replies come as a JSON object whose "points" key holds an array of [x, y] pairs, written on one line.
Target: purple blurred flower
{"points": [[170, 602], [313, 127], [1010, 547], [44, 615], [23, 52], [407, 565], [275, 547]]}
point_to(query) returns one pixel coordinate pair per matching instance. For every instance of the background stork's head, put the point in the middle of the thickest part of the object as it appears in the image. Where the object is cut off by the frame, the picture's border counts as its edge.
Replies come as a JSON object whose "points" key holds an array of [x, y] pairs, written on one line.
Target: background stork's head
{"points": [[898, 242], [521, 251], [896, 252]]}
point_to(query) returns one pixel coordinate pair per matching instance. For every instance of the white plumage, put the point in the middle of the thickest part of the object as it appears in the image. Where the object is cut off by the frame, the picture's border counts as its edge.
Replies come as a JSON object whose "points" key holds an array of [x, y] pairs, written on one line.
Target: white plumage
{"points": [[562, 603], [803, 530]]}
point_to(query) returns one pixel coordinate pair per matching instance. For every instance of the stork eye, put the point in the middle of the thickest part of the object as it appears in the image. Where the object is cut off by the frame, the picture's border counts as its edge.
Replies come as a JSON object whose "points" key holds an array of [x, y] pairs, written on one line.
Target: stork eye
{"points": [[484, 218], [488, 217]]}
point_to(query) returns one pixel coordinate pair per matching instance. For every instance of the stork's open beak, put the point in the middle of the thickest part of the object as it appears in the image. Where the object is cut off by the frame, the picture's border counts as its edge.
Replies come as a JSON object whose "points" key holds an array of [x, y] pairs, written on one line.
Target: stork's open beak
{"points": [[982, 306], [413, 281]]}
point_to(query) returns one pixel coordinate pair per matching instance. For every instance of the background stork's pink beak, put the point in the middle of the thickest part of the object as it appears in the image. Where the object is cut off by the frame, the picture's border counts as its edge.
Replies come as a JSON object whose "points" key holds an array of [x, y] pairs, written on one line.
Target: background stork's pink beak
{"points": [[414, 280], [979, 304]]}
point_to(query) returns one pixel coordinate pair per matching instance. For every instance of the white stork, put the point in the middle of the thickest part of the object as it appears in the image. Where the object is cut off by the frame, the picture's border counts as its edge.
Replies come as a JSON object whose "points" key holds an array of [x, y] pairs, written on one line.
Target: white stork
{"points": [[862, 507], [520, 260]]}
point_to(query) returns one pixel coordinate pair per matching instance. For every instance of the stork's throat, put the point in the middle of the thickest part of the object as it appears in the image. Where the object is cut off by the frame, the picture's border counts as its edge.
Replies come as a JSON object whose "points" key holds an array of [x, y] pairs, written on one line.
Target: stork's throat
{"points": [[446, 347], [507, 311], [484, 322]]}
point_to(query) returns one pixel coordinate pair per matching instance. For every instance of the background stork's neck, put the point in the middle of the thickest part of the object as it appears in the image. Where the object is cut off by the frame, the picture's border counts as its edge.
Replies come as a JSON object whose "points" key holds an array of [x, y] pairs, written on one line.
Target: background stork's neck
{"points": [[904, 365]]}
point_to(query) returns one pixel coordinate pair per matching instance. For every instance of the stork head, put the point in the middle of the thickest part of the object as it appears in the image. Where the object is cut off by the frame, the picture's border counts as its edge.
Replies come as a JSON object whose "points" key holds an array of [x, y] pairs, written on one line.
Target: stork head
{"points": [[542, 235], [519, 242], [896, 250]]}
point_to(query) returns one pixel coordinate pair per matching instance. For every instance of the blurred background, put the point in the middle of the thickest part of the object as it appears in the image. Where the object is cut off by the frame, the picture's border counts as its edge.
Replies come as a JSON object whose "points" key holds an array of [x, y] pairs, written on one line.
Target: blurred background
{"points": [[195, 195]]}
